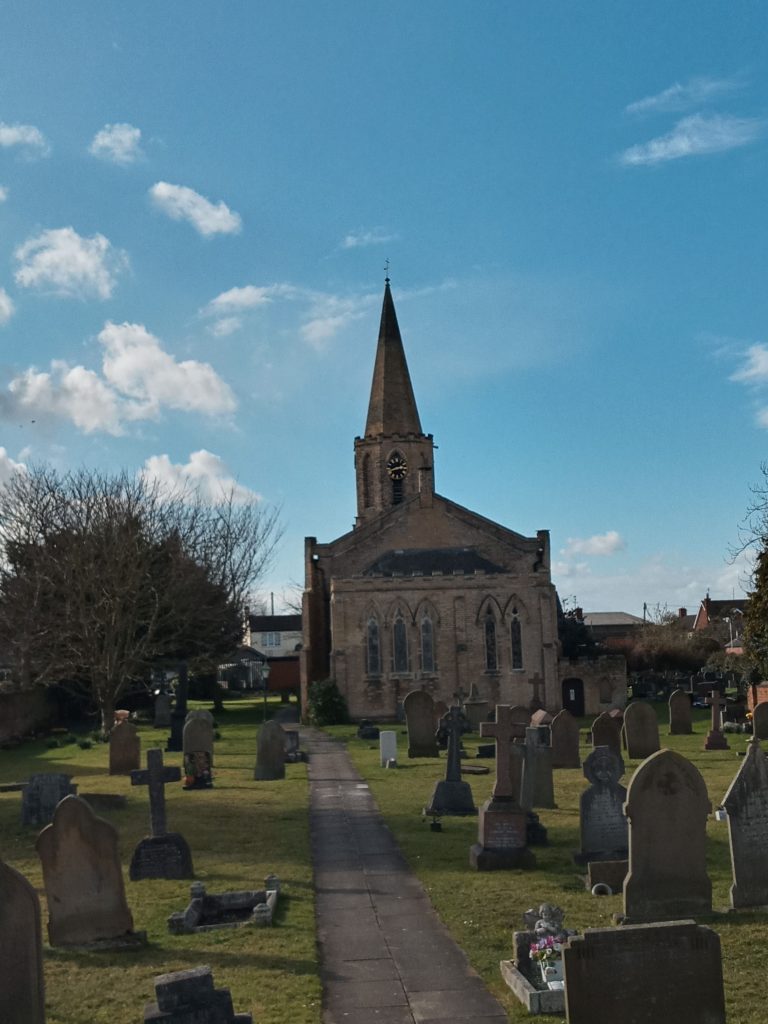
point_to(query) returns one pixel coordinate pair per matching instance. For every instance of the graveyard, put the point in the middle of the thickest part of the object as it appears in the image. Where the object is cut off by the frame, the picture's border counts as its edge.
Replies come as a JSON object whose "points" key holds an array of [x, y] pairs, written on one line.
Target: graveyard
{"points": [[242, 829]]}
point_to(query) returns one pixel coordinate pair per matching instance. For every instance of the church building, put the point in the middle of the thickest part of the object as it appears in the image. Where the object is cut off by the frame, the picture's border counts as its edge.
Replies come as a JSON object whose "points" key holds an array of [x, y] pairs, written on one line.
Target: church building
{"points": [[422, 592]]}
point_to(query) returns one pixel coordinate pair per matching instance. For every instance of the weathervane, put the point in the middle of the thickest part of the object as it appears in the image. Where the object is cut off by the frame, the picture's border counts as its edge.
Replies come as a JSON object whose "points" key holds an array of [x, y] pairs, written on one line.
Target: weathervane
{"points": [[386, 270]]}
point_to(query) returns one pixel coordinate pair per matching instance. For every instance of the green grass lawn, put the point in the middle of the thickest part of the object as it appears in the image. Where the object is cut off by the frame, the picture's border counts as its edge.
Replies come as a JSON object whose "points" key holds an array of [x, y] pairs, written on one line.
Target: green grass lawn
{"points": [[239, 832], [482, 909]]}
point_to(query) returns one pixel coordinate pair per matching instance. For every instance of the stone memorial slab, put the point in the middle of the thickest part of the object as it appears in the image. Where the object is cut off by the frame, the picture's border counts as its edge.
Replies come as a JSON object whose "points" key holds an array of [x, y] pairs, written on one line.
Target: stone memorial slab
{"points": [[680, 716], [387, 747], [124, 749], [162, 854], [270, 753], [163, 705], [452, 796], [41, 795], [604, 828], [537, 784], [644, 974], [667, 806], [641, 730], [760, 720], [22, 996], [610, 873], [747, 805], [475, 708], [420, 721], [197, 743], [83, 878], [189, 997], [367, 730], [606, 732], [564, 733], [715, 739], [293, 752]]}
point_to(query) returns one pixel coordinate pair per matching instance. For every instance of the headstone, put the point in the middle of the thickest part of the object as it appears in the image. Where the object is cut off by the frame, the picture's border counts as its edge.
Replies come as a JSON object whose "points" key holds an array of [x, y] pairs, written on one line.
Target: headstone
{"points": [[667, 806], [537, 683], [537, 786], [541, 717], [564, 733], [270, 752], [163, 702], [198, 750], [82, 877], [189, 997], [387, 747], [607, 872], [606, 732], [124, 749], [747, 805], [760, 720], [293, 752], [475, 708], [502, 835], [162, 854], [22, 998], [604, 832], [441, 708], [644, 974], [203, 715], [641, 730], [452, 796], [367, 730], [680, 719], [715, 739], [41, 795], [420, 720]]}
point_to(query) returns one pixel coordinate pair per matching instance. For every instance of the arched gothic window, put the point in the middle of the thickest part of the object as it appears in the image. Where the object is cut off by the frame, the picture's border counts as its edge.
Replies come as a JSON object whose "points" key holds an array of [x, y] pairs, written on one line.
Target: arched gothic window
{"points": [[372, 648], [399, 644], [516, 635], [491, 655], [427, 644]]}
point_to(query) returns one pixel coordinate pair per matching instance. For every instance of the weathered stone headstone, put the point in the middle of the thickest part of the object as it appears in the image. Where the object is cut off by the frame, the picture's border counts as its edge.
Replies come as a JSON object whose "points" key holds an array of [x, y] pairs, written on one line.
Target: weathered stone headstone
{"points": [[541, 717], [604, 831], [537, 787], [680, 718], [452, 796], [270, 752], [420, 720], [198, 750], [82, 877], [667, 806], [747, 805], [387, 747], [189, 997], [475, 708], [162, 854], [124, 749], [644, 974], [715, 739], [163, 703], [760, 720], [366, 730], [22, 997], [41, 795], [564, 733], [502, 835], [606, 732], [641, 730]]}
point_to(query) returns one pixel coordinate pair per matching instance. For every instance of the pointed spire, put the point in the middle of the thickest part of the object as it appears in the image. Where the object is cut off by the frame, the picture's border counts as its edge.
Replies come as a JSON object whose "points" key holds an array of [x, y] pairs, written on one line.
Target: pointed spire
{"points": [[392, 407]]}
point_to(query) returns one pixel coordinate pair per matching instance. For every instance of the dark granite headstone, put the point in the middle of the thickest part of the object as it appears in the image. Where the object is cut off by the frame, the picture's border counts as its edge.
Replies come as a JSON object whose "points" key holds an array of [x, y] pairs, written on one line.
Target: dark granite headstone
{"points": [[680, 718], [604, 829], [760, 720], [124, 749], [747, 805], [420, 720], [42, 794], [564, 732], [163, 705], [641, 730], [367, 730], [162, 854], [452, 796], [606, 732], [189, 997], [270, 752], [22, 997]]}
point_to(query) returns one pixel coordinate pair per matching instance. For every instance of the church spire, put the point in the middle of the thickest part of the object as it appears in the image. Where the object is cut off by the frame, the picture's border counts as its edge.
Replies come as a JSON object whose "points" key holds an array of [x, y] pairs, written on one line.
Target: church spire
{"points": [[392, 407]]}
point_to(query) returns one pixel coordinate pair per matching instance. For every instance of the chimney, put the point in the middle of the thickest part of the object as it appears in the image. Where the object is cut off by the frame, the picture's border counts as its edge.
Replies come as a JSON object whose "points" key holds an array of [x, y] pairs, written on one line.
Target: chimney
{"points": [[682, 612]]}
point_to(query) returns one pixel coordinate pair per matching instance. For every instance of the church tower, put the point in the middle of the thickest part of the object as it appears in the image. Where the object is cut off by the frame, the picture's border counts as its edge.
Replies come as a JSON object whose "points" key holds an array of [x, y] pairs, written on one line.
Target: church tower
{"points": [[394, 458]]}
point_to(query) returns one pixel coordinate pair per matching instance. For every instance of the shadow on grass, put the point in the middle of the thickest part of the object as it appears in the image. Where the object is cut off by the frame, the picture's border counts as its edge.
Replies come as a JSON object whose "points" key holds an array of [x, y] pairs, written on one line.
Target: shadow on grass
{"points": [[156, 954]]}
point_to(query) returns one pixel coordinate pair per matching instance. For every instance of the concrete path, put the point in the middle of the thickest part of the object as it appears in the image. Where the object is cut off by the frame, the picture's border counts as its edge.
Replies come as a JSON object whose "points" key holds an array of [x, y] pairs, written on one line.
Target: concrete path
{"points": [[385, 956]]}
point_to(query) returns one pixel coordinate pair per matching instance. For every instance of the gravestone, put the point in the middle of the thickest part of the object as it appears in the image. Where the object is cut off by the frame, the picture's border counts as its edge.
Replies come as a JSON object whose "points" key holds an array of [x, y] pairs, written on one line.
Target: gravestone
{"points": [[83, 878], [163, 702], [541, 717], [22, 996], [162, 854], [760, 720], [747, 805], [197, 743], [604, 830], [452, 796], [41, 795], [124, 749], [641, 730], [667, 806], [270, 753], [564, 733], [475, 708], [367, 730], [606, 732], [293, 752], [189, 997], [387, 747], [502, 825], [715, 739], [644, 974], [537, 701], [680, 718], [420, 720], [537, 784]]}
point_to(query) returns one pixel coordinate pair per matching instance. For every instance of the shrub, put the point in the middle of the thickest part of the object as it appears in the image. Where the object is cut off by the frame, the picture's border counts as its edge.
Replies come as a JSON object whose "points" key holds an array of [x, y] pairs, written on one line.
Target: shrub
{"points": [[84, 744], [326, 705], [52, 743]]}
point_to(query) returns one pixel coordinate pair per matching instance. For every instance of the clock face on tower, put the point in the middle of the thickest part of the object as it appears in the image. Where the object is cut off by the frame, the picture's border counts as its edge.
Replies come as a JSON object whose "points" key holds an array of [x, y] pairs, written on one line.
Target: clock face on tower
{"points": [[397, 467]]}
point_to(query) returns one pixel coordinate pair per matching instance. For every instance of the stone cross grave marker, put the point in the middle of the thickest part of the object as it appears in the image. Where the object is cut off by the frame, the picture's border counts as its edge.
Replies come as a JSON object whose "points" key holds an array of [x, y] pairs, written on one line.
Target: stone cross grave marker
{"points": [[715, 739], [537, 785], [606, 733], [680, 718], [124, 749], [747, 805], [760, 720], [387, 747], [641, 730], [452, 795], [83, 878], [162, 854], [189, 996], [197, 742], [22, 996], [270, 753], [420, 721], [667, 806], [537, 683], [604, 830], [564, 733], [42, 794]]}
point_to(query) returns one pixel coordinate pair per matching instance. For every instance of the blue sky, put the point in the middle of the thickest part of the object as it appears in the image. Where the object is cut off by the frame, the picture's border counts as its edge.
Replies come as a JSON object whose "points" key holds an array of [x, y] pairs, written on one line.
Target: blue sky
{"points": [[197, 199]]}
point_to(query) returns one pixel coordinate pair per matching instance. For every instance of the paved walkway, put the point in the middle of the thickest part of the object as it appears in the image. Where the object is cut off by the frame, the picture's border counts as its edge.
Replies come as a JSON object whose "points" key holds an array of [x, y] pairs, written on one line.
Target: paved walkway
{"points": [[385, 956]]}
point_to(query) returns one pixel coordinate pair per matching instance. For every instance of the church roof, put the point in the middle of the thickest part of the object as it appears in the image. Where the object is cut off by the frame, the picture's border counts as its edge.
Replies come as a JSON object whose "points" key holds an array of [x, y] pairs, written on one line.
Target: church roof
{"points": [[430, 562], [392, 407]]}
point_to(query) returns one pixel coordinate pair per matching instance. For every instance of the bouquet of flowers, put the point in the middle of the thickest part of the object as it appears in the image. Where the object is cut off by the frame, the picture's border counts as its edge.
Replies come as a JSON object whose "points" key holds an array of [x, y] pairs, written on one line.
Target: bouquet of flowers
{"points": [[547, 948]]}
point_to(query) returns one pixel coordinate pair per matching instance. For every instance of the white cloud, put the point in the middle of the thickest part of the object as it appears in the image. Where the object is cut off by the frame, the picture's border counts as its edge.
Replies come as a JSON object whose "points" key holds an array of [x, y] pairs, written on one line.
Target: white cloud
{"points": [[329, 314], [70, 393], [226, 326], [601, 544], [182, 203], [694, 136], [6, 307], [3, 193], [755, 369], [26, 136], [365, 238], [205, 472], [683, 96], [118, 143], [8, 467], [250, 296], [65, 263]]}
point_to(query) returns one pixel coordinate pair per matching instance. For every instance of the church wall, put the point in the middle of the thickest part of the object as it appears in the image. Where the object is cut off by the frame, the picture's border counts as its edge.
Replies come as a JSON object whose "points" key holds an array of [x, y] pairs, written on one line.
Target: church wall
{"points": [[604, 678]]}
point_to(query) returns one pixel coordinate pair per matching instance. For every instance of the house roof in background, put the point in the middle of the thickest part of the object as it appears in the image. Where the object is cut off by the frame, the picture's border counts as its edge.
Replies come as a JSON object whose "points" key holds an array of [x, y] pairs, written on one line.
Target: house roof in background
{"points": [[275, 623]]}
